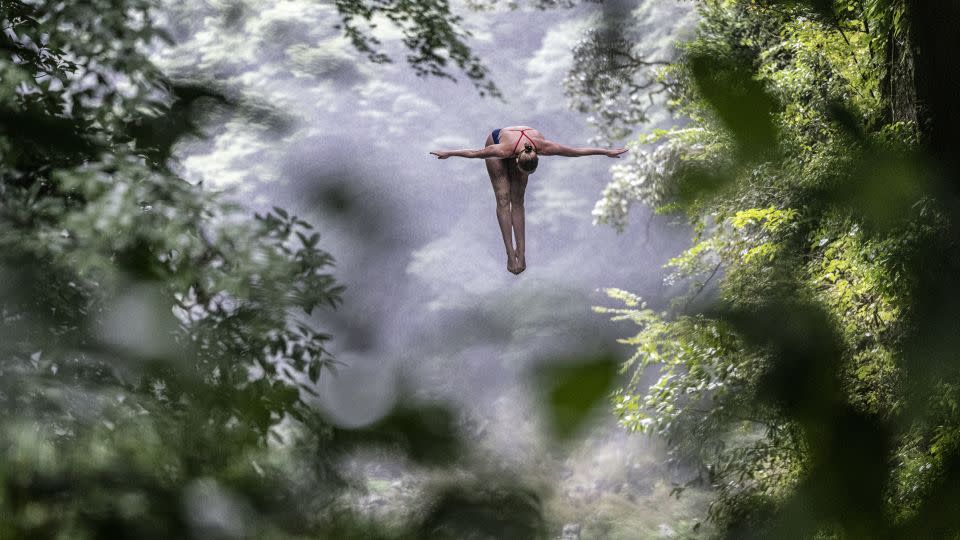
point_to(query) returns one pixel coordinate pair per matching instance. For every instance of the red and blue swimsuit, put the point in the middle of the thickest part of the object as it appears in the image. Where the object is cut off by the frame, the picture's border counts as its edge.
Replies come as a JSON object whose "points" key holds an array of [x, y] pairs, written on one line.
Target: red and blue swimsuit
{"points": [[523, 133]]}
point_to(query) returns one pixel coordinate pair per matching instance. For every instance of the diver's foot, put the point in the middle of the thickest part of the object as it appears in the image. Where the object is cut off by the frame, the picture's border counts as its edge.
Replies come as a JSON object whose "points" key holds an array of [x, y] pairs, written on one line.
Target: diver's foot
{"points": [[521, 263], [512, 265]]}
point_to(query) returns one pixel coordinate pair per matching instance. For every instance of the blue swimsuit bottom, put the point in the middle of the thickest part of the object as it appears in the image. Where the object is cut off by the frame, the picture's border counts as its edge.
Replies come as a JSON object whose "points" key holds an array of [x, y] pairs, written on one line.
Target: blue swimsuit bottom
{"points": [[496, 136]]}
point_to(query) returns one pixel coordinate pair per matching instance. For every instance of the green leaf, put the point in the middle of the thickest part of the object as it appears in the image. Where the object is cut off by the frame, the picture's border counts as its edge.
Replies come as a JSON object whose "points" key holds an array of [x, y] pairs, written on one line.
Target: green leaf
{"points": [[571, 390], [739, 100]]}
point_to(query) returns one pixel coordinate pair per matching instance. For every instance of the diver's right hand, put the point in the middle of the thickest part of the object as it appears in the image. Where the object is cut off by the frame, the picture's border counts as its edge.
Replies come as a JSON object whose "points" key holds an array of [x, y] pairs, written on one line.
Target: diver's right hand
{"points": [[441, 154]]}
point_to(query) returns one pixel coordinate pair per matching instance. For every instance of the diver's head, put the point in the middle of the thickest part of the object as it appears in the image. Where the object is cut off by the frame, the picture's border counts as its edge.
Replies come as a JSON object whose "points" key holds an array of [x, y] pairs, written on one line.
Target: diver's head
{"points": [[527, 159]]}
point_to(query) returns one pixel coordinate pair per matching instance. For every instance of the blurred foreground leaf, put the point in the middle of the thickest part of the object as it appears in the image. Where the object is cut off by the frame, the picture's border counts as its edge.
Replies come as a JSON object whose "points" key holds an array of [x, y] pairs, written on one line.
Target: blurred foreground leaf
{"points": [[426, 433], [739, 100], [571, 389]]}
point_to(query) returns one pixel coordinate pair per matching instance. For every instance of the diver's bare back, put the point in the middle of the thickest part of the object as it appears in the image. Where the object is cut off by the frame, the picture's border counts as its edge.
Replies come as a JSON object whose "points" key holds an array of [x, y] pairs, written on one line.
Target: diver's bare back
{"points": [[511, 136]]}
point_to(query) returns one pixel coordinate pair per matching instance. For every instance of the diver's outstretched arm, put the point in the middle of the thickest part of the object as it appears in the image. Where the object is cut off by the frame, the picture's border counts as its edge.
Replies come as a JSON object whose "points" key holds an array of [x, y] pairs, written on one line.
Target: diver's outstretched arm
{"points": [[551, 148], [492, 151]]}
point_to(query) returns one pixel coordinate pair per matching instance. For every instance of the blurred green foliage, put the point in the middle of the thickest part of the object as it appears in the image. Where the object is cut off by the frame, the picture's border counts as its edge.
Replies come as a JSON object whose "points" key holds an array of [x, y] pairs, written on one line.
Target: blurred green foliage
{"points": [[154, 339], [570, 390]]}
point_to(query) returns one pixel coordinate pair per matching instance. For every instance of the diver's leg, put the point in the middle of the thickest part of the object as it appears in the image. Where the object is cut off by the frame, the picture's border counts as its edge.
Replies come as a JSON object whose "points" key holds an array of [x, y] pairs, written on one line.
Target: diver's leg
{"points": [[500, 180], [518, 187]]}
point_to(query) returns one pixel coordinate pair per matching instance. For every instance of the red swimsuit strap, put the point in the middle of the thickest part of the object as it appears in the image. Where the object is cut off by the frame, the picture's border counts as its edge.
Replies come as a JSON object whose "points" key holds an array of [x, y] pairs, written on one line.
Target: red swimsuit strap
{"points": [[523, 133]]}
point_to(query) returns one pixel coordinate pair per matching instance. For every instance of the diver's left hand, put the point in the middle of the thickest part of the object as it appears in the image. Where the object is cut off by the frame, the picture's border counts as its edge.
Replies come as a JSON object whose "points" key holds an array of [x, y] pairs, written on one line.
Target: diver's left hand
{"points": [[615, 153], [441, 154]]}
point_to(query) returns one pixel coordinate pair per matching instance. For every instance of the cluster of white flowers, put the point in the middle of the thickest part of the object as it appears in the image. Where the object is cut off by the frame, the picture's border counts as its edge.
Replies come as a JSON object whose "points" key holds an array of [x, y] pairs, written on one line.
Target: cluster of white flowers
{"points": [[645, 177]]}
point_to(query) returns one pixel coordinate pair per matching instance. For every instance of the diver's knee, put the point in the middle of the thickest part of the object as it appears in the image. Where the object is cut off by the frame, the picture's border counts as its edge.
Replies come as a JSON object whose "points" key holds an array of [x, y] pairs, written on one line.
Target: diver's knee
{"points": [[503, 201]]}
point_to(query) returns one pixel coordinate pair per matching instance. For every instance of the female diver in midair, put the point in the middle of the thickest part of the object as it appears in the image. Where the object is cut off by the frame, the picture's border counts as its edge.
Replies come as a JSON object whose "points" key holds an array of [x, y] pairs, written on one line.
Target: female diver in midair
{"points": [[509, 165]]}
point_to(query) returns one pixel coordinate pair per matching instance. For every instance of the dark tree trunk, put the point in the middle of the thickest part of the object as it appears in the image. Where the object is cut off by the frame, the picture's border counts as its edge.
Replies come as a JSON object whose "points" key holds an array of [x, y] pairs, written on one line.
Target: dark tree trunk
{"points": [[935, 33], [899, 85]]}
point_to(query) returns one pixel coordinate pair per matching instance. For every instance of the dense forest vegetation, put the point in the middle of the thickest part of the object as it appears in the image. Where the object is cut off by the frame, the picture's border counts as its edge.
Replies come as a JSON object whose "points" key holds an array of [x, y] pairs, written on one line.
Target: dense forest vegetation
{"points": [[159, 361], [810, 369]]}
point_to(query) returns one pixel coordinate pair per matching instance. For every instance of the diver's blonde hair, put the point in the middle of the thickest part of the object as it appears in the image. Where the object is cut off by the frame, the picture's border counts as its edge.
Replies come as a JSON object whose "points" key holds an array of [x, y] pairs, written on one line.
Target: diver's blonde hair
{"points": [[527, 160]]}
